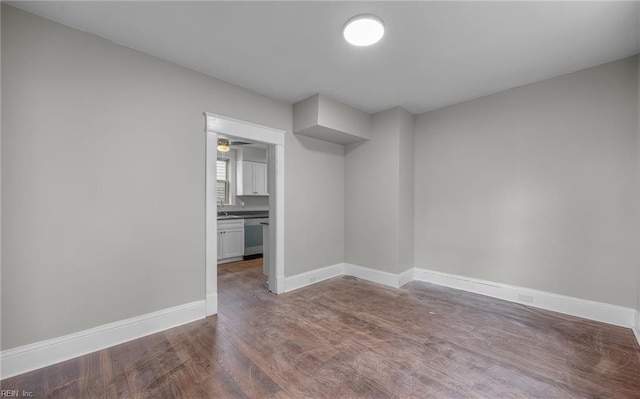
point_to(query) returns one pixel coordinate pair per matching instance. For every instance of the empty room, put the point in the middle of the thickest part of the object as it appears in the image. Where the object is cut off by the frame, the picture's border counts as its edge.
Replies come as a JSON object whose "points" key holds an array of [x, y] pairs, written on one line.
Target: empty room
{"points": [[330, 199]]}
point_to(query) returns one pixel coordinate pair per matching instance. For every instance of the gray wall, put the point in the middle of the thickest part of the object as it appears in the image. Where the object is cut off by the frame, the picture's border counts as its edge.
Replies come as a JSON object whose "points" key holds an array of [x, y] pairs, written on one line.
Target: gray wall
{"points": [[314, 216], [638, 100], [103, 180], [536, 186], [405, 191], [379, 196]]}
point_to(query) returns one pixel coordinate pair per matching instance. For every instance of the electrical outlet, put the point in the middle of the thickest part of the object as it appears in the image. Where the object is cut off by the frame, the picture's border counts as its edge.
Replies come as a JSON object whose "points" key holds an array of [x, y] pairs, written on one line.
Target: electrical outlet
{"points": [[525, 298]]}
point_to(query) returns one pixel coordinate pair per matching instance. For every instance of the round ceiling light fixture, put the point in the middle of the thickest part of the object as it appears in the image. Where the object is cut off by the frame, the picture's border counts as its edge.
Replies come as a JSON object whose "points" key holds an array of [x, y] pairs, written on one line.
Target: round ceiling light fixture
{"points": [[224, 145], [363, 30]]}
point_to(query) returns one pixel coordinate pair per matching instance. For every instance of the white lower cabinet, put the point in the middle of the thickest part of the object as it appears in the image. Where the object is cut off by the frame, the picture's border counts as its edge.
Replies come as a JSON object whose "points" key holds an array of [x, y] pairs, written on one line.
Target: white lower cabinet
{"points": [[230, 239]]}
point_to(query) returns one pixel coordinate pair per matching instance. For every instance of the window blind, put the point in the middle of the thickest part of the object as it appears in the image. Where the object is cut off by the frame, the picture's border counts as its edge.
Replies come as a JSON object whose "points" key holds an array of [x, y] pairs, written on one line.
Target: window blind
{"points": [[222, 177]]}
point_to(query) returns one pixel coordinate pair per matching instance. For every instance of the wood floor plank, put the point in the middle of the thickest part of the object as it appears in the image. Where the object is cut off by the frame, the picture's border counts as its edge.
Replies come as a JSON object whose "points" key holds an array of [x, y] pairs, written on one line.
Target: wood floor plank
{"points": [[348, 338]]}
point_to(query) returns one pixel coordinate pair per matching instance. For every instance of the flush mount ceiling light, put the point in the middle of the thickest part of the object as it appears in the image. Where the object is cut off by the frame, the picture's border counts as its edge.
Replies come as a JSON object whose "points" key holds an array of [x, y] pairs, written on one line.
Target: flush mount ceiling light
{"points": [[363, 30], [223, 145]]}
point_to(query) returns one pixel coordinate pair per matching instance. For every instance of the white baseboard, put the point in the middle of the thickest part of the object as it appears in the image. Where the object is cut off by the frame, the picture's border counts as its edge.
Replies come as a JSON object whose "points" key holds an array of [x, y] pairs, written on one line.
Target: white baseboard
{"points": [[376, 276], [212, 304], [304, 279], [592, 310], [40, 354], [604, 312], [312, 277], [406, 277]]}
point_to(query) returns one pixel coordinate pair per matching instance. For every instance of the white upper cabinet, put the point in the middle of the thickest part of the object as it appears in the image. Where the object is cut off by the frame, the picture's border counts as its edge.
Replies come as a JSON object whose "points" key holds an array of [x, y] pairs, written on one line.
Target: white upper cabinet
{"points": [[253, 178], [260, 179]]}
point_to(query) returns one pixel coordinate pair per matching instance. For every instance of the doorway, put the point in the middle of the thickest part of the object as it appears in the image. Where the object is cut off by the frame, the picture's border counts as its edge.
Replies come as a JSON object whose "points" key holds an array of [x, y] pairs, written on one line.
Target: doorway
{"points": [[274, 255]]}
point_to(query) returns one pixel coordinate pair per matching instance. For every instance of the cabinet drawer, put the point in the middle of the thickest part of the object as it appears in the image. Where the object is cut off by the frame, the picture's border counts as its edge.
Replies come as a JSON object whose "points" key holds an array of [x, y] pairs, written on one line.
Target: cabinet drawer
{"points": [[230, 224]]}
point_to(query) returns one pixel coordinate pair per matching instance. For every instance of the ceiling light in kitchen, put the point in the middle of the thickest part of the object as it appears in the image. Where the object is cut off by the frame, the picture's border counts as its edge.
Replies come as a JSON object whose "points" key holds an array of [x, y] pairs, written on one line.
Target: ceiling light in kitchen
{"points": [[363, 30], [223, 145]]}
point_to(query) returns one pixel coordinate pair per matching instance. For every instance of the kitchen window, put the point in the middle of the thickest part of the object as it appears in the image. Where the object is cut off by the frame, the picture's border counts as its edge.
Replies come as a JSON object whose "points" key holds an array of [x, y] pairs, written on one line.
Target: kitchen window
{"points": [[223, 180], [226, 177]]}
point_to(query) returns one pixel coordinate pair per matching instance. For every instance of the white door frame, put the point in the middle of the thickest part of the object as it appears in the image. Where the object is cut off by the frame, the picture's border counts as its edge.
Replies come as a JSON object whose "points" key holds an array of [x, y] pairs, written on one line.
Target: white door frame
{"points": [[274, 139]]}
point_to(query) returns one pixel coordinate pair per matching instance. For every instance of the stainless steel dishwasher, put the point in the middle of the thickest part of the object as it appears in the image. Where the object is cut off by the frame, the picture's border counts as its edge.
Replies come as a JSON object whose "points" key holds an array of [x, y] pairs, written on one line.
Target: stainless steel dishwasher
{"points": [[253, 242]]}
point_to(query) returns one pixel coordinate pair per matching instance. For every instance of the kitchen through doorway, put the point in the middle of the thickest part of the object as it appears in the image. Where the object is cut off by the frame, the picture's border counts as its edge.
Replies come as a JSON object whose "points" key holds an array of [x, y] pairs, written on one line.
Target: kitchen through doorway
{"points": [[244, 177], [242, 194]]}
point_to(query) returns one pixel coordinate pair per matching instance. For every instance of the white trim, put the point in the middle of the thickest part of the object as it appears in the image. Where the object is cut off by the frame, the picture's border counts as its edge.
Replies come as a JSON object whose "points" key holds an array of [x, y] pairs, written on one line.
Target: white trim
{"points": [[41, 354], [365, 273], [275, 252], [211, 223], [592, 310], [211, 304], [314, 276], [598, 311], [274, 139], [243, 129], [406, 277], [44, 353], [376, 276]]}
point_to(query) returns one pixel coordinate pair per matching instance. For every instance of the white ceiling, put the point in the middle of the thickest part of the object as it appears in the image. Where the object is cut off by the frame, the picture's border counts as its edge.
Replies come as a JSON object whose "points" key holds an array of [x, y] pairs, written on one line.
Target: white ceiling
{"points": [[434, 53]]}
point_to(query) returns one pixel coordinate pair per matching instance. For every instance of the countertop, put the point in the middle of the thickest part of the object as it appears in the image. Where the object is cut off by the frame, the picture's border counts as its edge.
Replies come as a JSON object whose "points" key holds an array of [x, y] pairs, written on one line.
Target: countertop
{"points": [[242, 215]]}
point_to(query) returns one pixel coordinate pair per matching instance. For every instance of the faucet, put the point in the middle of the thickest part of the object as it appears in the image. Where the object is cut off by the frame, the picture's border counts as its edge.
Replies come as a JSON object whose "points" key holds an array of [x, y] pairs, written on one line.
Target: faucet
{"points": [[220, 200]]}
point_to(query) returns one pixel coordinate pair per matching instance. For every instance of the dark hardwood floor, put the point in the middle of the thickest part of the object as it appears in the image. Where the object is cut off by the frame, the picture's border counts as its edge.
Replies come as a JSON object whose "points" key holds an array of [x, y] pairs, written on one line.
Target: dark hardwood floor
{"points": [[348, 338]]}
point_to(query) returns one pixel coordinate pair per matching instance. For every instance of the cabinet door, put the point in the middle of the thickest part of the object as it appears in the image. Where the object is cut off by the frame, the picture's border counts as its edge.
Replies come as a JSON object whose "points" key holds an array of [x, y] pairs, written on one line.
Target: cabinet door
{"points": [[260, 179], [232, 243], [247, 178]]}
